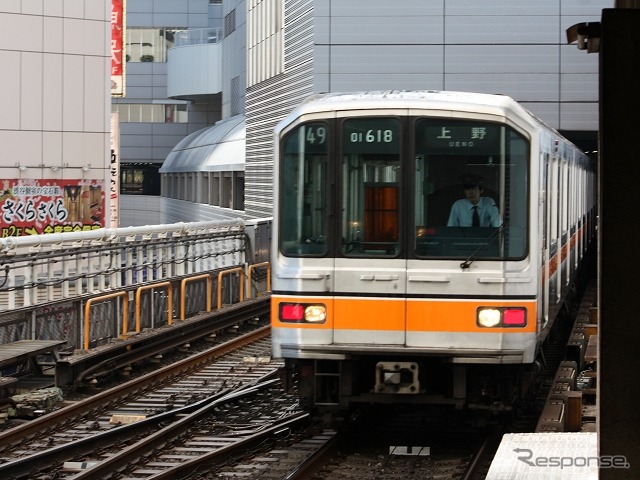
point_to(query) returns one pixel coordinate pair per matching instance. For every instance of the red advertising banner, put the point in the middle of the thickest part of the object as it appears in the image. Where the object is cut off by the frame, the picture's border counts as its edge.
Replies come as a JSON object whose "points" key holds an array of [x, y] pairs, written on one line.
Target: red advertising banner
{"points": [[117, 47], [32, 207]]}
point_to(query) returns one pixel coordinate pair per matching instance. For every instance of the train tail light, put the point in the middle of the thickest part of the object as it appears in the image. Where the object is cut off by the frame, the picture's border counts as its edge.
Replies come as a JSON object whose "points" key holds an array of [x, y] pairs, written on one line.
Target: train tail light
{"points": [[492, 317], [291, 312], [303, 313], [514, 317]]}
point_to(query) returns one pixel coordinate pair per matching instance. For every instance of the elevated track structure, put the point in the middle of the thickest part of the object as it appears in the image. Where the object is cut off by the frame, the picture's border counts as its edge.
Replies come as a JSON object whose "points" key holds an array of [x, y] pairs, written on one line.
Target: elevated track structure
{"points": [[89, 290]]}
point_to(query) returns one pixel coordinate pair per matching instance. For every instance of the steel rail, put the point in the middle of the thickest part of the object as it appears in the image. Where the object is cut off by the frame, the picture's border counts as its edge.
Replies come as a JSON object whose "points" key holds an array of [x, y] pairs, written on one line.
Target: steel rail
{"points": [[130, 454], [57, 417], [185, 468], [483, 454], [23, 467], [302, 470]]}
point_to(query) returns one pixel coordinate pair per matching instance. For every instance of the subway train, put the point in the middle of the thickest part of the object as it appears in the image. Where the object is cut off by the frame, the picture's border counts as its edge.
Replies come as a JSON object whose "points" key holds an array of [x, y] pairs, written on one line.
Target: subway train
{"points": [[385, 288]]}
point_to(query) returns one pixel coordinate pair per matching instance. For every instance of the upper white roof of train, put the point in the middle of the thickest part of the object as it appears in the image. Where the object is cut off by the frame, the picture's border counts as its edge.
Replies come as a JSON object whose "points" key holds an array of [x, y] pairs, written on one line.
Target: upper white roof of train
{"points": [[411, 96], [413, 99]]}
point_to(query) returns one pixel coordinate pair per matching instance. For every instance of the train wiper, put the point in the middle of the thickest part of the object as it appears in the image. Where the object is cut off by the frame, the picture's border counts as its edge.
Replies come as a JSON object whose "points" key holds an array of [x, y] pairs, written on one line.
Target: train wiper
{"points": [[467, 263]]}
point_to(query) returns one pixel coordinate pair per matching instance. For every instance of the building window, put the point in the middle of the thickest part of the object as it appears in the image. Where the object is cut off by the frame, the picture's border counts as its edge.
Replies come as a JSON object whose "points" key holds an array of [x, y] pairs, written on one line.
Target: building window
{"points": [[149, 44], [151, 113], [139, 178], [236, 105], [230, 23]]}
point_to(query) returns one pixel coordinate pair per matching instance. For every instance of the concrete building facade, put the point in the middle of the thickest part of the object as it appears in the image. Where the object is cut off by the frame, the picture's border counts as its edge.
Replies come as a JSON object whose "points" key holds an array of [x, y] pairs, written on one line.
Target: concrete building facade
{"points": [[267, 56], [516, 48], [185, 72], [55, 121], [271, 54], [151, 123], [193, 63]]}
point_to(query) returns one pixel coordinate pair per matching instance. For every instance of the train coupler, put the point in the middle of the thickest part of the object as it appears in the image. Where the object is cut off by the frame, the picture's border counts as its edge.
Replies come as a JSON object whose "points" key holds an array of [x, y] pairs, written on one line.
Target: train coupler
{"points": [[397, 377]]}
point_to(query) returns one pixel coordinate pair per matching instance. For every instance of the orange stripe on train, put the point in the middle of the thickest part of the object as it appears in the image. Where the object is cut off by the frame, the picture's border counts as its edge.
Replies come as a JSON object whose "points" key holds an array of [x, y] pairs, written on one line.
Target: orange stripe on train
{"points": [[460, 316], [344, 313], [564, 251]]}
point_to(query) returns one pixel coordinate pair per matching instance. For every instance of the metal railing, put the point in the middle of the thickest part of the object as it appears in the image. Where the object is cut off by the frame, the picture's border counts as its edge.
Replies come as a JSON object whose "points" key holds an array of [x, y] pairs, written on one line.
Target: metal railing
{"points": [[41, 269], [197, 36], [103, 298], [52, 285]]}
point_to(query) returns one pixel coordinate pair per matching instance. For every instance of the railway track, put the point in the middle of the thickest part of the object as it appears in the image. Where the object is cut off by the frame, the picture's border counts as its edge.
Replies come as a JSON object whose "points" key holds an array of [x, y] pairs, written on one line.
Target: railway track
{"points": [[214, 372], [219, 413], [222, 413], [220, 428], [406, 444]]}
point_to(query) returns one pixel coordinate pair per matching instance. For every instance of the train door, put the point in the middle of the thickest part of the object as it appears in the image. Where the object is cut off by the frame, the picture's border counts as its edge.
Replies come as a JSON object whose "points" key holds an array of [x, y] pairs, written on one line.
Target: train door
{"points": [[561, 236], [546, 181], [553, 201], [369, 265], [568, 225]]}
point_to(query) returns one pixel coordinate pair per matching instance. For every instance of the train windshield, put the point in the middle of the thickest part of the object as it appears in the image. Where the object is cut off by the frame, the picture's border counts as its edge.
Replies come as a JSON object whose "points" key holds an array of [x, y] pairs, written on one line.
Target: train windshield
{"points": [[413, 188], [303, 192], [470, 190]]}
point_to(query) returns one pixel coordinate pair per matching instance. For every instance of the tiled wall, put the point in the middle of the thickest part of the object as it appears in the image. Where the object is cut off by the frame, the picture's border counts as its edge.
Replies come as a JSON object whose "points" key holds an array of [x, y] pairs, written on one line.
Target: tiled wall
{"points": [[55, 88]]}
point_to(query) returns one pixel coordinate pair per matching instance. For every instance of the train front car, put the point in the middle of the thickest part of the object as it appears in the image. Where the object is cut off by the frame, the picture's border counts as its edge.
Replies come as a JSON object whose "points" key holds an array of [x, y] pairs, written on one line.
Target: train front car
{"points": [[385, 287]]}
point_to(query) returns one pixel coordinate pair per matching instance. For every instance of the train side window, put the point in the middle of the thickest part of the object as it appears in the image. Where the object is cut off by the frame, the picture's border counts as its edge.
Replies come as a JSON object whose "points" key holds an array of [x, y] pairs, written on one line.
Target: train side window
{"points": [[370, 220], [303, 191]]}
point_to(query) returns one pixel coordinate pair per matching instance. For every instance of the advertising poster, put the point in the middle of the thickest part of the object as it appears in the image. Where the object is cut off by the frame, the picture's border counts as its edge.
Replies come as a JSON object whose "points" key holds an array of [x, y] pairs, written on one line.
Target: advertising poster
{"points": [[117, 48], [33, 207]]}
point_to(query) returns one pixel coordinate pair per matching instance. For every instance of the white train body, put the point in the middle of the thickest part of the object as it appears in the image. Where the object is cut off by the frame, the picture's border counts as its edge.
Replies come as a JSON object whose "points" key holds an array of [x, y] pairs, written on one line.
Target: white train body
{"points": [[376, 291]]}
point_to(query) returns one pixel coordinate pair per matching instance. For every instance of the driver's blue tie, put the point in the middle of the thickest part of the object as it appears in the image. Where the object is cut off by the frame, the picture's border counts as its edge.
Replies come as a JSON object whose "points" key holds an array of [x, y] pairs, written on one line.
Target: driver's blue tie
{"points": [[475, 219]]}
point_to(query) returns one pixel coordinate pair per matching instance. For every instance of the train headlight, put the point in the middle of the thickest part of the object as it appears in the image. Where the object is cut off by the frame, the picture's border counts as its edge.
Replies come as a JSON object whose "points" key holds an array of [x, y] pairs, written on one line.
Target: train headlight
{"points": [[303, 313], [315, 313], [490, 317]]}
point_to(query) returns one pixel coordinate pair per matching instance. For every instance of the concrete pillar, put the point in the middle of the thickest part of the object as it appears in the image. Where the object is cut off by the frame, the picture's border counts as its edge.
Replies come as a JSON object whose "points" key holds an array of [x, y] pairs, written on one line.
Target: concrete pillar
{"points": [[619, 245]]}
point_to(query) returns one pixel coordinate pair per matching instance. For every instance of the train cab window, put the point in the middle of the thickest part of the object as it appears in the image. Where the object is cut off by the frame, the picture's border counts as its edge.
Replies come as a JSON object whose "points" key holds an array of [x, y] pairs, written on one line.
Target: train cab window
{"points": [[481, 168], [370, 187], [303, 191]]}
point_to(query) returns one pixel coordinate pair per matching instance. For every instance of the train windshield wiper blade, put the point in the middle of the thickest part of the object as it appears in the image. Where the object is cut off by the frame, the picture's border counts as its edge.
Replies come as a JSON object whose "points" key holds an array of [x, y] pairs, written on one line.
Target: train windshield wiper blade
{"points": [[471, 258]]}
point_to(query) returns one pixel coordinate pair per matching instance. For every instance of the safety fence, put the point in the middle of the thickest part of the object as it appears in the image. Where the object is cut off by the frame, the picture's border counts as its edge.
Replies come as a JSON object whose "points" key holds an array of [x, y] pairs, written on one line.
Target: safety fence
{"points": [[88, 288]]}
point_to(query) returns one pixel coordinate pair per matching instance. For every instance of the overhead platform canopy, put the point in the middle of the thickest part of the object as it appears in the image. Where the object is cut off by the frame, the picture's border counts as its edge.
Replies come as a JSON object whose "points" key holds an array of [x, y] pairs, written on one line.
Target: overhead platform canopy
{"points": [[219, 148]]}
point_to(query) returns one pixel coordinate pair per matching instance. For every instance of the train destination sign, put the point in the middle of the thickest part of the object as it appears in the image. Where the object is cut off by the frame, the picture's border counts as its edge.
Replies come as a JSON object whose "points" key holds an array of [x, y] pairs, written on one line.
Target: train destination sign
{"points": [[441, 137]]}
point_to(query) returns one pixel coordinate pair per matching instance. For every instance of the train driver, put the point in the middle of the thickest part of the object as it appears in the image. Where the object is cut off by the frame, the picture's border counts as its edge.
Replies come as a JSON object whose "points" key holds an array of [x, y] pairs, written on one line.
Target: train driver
{"points": [[474, 210]]}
